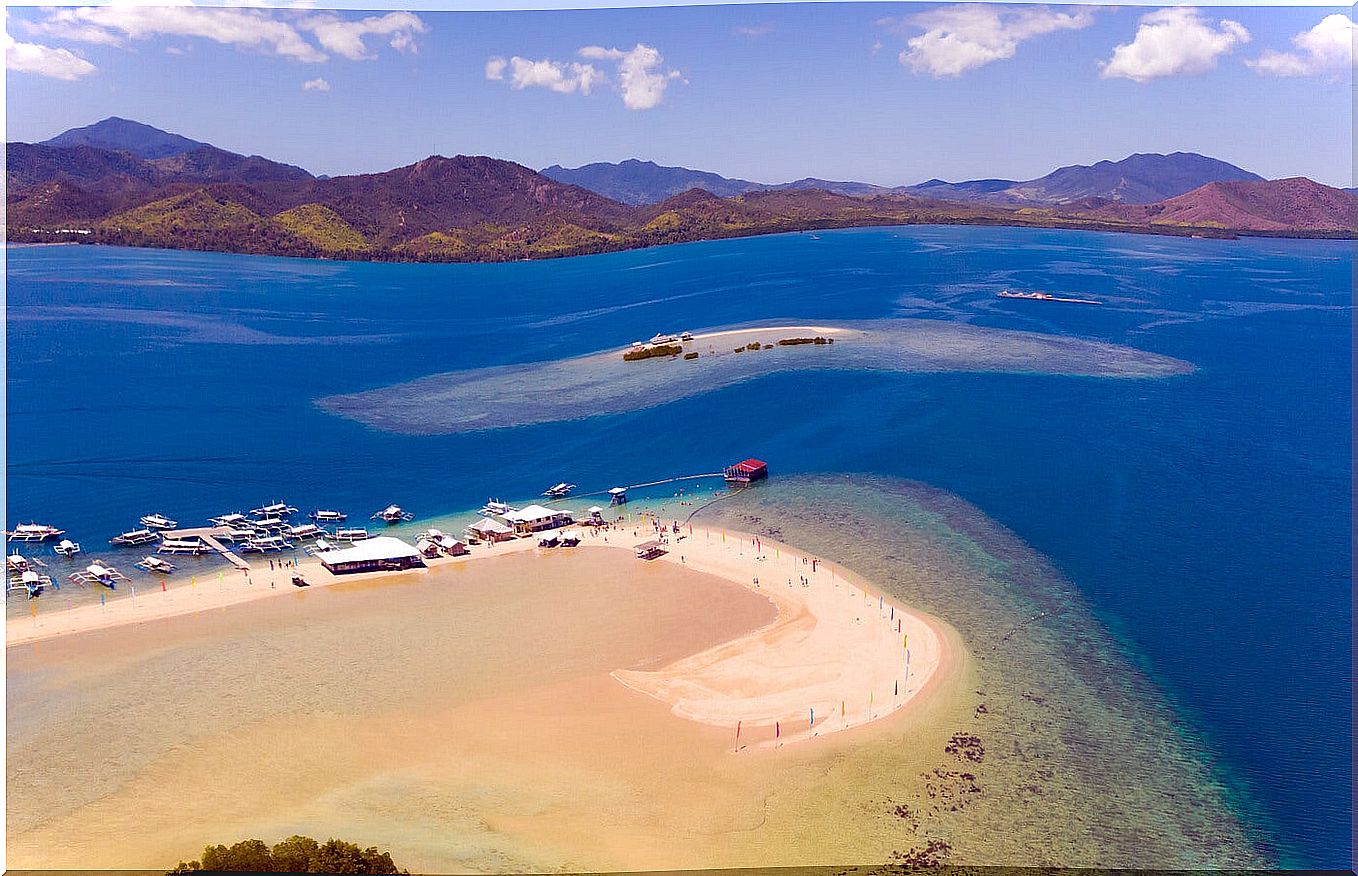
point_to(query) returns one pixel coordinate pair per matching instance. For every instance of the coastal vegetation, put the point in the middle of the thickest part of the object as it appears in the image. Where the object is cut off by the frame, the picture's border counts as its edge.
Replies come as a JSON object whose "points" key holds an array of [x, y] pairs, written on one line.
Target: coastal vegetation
{"points": [[296, 854], [652, 351], [792, 342]]}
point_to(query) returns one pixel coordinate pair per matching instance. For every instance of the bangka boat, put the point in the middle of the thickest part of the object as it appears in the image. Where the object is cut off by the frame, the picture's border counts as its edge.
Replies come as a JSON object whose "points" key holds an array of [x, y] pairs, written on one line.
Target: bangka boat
{"points": [[99, 573], [350, 535], [267, 525], [304, 530], [266, 543], [34, 532], [67, 548], [134, 537], [234, 520], [156, 564], [31, 582], [158, 521], [663, 338], [190, 546], [496, 508], [275, 509], [560, 491], [393, 514], [326, 516]]}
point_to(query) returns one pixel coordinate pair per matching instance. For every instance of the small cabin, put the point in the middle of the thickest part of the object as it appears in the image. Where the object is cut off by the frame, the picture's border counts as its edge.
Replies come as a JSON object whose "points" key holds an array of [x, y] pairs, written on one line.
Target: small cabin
{"points": [[746, 472], [489, 530], [618, 496]]}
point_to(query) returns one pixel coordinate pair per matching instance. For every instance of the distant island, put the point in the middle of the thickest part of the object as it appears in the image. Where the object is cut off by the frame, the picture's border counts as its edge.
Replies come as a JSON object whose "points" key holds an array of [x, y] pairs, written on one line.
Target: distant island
{"points": [[124, 183]]}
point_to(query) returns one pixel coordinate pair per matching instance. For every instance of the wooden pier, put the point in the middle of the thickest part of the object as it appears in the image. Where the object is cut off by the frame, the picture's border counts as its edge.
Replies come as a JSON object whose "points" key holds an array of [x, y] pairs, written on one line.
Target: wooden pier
{"points": [[208, 536]]}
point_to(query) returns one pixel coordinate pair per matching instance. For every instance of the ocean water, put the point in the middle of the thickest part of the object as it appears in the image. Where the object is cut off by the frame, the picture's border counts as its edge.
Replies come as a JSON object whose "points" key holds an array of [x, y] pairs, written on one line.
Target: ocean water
{"points": [[1204, 517]]}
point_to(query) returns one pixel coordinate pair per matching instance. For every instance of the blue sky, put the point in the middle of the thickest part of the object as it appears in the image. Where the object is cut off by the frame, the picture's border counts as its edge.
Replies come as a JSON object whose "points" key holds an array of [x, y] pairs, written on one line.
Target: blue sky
{"points": [[881, 92]]}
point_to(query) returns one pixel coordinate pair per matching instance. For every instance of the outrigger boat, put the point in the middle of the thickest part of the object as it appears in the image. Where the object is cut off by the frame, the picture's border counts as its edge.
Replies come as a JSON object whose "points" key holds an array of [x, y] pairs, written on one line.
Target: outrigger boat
{"points": [[134, 537], [560, 491], [158, 521], [29, 581], [277, 509], [34, 532], [98, 573], [191, 546], [266, 543], [393, 514], [304, 530], [496, 508], [67, 548], [267, 525], [235, 520], [351, 535], [156, 564], [326, 516]]}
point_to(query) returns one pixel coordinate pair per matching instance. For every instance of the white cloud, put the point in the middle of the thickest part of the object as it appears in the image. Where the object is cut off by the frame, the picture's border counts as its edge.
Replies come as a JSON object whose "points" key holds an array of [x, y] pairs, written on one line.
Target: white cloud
{"points": [[272, 32], [560, 76], [640, 78], [317, 84], [963, 37], [753, 30], [44, 60], [1326, 49], [1174, 42], [344, 36]]}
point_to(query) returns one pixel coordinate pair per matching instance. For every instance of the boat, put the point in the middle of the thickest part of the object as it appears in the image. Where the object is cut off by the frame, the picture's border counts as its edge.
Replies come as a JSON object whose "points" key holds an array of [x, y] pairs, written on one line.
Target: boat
{"points": [[156, 564], [267, 524], [393, 514], [238, 534], [98, 572], [34, 532], [16, 562], [191, 546], [496, 508], [298, 580], [663, 338], [1044, 296], [560, 491], [686, 336], [275, 509], [266, 543], [33, 582], [304, 530], [325, 516], [236, 520], [67, 548], [351, 535], [318, 546], [134, 537], [158, 521]]}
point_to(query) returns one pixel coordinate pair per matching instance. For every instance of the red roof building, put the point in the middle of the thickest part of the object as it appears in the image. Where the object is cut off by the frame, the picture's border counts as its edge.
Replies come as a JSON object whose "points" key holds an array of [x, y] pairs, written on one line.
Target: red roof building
{"points": [[749, 470]]}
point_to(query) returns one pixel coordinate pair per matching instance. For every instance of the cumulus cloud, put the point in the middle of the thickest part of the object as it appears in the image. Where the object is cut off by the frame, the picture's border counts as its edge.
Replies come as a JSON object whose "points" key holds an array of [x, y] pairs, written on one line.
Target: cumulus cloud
{"points": [[317, 84], [1174, 42], [1324, 50], [44, 60], [344, 36], [753, 30], [641, 77], [563, 77], [272, 32], [960, 38]]}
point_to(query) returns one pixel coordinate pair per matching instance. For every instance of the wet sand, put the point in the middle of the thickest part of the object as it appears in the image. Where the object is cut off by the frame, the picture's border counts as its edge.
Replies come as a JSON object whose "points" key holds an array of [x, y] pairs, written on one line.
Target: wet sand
{"points": [[465, 718]]}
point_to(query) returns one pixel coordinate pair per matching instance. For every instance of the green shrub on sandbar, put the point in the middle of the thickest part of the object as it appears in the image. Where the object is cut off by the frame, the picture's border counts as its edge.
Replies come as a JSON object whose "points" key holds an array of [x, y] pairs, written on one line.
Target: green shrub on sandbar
{"points": [[690, 355], [650, 352], [296, 854], [789, 342]]}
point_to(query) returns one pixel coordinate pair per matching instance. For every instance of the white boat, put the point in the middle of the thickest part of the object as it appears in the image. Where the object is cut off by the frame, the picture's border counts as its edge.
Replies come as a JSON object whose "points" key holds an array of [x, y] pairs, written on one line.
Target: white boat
{"points": [[191, 546], [327, 516], [99, 573], [275, 509], [496, 508], [393, 514], [237, 534], [134, 537], [318, 546], [267, 524], [234, 520], [33, 582], [266, 543], [560, 491], [351, 535], [34, 532], [304, 530], [158, 521], [686, 336], [663, 338], [67, 548], [16, 562], [156, 564]]}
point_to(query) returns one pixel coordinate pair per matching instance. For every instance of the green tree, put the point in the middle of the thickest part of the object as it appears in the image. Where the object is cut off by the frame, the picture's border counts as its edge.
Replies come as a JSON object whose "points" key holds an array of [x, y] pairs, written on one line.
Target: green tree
{"points": [[250, 855], [294, 854]]}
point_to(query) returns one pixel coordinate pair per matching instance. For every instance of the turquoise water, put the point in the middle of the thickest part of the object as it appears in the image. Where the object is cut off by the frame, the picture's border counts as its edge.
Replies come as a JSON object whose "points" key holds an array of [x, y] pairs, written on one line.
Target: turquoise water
{"points": [[1205, 516]]}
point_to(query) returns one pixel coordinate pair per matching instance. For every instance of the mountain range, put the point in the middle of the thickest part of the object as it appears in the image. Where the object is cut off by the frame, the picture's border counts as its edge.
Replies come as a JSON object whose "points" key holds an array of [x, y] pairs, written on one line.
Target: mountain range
{"points": [[122, 182]]}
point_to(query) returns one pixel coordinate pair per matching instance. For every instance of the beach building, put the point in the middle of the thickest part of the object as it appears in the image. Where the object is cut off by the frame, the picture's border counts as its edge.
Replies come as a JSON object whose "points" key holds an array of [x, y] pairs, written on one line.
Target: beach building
{"points": [[490, 530], [536, 518], [380, 554], [617, 496], [747, 471]]}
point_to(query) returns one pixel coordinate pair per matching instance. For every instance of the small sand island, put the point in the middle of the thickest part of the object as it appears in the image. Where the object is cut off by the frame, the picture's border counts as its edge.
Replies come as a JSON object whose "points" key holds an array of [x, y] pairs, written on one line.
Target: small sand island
{"points": [[666, 346]]}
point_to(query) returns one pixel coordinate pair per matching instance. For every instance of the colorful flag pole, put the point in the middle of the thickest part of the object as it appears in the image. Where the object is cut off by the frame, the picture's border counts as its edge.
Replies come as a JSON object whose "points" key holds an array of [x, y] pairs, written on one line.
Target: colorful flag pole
{"points": [[101, 600], [813, 717], [162, 586], [737, 731], [777, 730]]}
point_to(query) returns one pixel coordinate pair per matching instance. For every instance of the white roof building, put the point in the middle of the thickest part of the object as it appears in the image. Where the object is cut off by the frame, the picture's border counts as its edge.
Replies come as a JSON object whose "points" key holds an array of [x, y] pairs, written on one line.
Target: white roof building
{"points": [[374, 554]]}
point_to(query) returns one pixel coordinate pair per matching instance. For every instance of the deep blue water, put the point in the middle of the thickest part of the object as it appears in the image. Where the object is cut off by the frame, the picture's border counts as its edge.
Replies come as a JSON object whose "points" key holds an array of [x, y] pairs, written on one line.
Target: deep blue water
{"points": [[1206, 517]]}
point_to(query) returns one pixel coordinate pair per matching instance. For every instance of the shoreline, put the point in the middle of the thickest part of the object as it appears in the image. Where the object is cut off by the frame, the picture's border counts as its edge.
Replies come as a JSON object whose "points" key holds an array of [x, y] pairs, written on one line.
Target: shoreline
{"points": [[834, 657]]}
